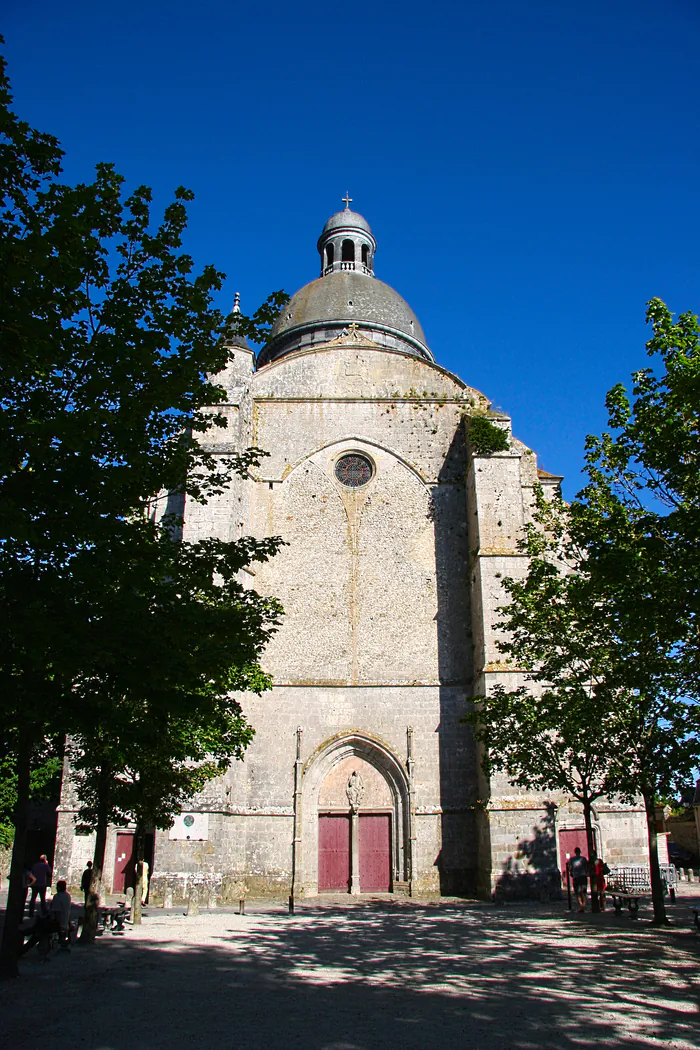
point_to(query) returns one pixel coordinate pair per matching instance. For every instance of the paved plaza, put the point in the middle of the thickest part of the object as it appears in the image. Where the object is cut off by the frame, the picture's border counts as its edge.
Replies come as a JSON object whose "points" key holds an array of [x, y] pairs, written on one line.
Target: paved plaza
{"points": [[366, 976]]}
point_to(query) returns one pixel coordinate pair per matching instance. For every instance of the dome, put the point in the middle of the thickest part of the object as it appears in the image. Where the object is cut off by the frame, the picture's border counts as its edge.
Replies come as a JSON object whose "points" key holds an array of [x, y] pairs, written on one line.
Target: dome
{"points": [[347, 296], [346, 219], [320, 310]]}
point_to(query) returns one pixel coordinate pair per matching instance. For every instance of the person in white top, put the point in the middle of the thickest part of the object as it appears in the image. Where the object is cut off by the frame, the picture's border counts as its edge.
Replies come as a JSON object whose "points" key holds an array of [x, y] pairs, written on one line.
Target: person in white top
{"points": [[60, 910]]}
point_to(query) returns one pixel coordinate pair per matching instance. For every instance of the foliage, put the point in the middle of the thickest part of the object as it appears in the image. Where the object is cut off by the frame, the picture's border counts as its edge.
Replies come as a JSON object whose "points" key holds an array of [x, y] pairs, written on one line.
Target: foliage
{"points": [[609, 605], [485, 437], [110, 347], [641, 508], [45, 776], [561, 733], [159, 705]]}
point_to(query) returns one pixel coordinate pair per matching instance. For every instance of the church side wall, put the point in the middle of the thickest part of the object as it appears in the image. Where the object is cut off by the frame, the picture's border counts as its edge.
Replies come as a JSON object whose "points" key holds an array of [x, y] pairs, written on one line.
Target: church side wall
{"points": [[518, 831]]}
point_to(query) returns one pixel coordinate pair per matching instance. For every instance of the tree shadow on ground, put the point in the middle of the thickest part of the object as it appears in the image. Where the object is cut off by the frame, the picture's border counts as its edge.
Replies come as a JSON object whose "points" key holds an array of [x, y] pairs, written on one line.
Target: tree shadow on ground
{"points": [[368, 978]]}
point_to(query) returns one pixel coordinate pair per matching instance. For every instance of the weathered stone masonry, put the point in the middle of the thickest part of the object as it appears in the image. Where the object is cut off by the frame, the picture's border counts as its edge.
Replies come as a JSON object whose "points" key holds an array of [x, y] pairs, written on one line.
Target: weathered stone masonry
{"points": [[390, 589]]}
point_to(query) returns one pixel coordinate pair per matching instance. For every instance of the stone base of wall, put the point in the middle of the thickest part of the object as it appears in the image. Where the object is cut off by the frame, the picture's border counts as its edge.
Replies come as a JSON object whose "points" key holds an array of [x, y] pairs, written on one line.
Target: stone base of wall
{"points": [[526, 885], [210, 888], [168, 888], [458, 882]]}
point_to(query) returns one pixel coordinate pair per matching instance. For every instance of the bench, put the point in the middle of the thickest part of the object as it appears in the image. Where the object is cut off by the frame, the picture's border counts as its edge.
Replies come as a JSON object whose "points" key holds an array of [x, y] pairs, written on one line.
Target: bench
{"points": [[114, 917], [619, 899]]}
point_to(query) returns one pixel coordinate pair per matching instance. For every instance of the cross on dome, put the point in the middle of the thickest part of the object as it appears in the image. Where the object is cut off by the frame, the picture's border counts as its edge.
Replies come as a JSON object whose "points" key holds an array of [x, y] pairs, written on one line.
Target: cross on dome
{"points": [[347, 199]]}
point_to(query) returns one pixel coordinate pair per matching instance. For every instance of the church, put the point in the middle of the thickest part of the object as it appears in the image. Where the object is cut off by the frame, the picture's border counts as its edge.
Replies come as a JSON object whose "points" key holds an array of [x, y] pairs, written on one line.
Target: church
{"points": [[362, 777]]}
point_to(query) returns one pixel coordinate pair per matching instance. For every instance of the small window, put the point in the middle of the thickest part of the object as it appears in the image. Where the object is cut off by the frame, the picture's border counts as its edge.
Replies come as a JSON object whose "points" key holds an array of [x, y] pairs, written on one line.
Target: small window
{"points": [[329, 255], [348, 251], [365, 256]]}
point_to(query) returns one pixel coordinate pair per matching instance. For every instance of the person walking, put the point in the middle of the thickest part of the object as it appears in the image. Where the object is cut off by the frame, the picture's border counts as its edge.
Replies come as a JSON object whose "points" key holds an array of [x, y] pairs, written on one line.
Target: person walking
{"points": [[42, 879], [85, 881], [578, 869]]}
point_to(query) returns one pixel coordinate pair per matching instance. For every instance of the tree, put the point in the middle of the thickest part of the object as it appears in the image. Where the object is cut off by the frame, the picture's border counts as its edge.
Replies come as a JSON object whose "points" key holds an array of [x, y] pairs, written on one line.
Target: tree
{"points": [[611, 599], [45, 776], [171, 638], [108, 344], [640, 519], [560, 735]]}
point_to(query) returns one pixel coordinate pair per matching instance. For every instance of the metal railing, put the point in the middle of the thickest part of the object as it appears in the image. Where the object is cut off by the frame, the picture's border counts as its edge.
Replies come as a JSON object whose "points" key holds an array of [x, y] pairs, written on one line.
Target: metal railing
{"points": [[636, 878]]}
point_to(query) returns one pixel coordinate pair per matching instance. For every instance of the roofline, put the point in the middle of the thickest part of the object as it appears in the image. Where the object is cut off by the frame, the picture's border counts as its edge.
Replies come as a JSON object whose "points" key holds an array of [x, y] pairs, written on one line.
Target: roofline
{"points": [[299, 329], [326, 347]]}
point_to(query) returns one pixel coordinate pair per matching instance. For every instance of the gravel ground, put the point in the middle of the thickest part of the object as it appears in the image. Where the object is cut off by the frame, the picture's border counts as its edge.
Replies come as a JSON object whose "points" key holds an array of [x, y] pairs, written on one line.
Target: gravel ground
{"points": [[366, 976]]}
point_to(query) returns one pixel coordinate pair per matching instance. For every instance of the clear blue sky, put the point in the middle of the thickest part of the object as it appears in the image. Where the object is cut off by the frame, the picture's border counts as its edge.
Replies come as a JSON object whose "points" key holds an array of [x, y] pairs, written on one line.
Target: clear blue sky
{"points": [[530, 170]]}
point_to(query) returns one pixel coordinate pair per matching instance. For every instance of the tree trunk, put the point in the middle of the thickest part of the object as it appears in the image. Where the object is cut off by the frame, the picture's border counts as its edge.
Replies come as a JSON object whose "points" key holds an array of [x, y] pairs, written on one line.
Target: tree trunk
{"points": [[14, 910], [657, 888], [138, 888], [89, 931], [590, 843]]}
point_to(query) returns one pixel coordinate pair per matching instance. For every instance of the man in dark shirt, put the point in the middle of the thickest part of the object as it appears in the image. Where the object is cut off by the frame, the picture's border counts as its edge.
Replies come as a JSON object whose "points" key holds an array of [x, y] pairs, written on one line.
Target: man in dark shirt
{"points": [[42, 875], [86, 880], [578, 869]]}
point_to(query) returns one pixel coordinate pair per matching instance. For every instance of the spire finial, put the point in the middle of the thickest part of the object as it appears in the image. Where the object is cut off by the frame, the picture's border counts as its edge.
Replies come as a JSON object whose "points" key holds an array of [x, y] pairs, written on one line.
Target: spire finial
{"points": [[348, 200], [236, 303]]}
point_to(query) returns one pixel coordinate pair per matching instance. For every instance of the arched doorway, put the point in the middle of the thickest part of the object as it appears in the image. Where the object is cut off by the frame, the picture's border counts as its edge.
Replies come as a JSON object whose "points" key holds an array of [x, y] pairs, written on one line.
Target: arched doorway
{"points": [[355, 810], [356, 827]]}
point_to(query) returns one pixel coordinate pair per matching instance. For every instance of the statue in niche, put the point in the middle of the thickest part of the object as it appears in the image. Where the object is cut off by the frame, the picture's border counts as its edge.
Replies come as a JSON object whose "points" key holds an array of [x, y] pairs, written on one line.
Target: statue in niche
{"points": [[355, 791]]}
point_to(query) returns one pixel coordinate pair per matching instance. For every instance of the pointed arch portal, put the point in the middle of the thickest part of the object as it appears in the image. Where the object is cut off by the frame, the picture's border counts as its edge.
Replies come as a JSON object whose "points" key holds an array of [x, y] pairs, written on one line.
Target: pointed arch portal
{"points": [[356, 826]]}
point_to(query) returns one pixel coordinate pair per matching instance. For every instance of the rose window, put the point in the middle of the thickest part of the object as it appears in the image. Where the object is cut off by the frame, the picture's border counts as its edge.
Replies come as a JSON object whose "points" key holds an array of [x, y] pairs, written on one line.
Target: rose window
{"points": [[353, 470]]}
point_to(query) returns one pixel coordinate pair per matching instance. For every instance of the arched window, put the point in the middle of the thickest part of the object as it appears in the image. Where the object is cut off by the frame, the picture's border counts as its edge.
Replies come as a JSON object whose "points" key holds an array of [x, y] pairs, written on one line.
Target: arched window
{"points": [[365, 256], [348, 251], [329, 255]]}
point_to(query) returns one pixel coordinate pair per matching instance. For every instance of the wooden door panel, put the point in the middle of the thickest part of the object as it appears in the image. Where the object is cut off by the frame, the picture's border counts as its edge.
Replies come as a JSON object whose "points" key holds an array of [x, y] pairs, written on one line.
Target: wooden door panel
{"points": [[334, 853], [124, 863], [569, 839], [375, 853]]}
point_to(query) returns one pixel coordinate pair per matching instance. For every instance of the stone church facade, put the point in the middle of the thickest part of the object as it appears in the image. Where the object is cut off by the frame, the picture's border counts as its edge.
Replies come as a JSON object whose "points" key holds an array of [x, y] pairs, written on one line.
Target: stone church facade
{"points": [[362, 776]]}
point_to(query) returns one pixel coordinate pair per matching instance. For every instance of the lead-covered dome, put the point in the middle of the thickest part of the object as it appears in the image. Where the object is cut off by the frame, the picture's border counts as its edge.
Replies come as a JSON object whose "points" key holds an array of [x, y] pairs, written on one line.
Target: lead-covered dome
{"points": [[346, 294], [345, 219]]}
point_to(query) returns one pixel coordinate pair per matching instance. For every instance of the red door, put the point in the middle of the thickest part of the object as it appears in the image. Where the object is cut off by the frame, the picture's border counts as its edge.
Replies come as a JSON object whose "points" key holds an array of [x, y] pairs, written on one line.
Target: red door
{"points": [[334, 853], [375, 853], [569, 839], [124, 862]]}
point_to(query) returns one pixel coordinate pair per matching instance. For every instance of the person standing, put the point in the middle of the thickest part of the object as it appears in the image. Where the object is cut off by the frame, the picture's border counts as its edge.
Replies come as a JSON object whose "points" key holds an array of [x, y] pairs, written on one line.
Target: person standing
{"points": [[28, 880], [601, 870], [42, 878], [144, 881], [85, 881], [578, 869]]}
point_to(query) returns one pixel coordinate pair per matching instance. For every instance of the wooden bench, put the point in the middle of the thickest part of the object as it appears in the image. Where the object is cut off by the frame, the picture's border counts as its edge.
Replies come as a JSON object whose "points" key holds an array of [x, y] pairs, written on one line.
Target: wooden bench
{"points": [[619, 899]]}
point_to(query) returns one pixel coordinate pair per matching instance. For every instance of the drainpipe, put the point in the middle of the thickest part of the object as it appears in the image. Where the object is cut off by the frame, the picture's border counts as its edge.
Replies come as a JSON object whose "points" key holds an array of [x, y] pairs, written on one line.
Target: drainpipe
{"points": [[411, 822], [296, 843]]}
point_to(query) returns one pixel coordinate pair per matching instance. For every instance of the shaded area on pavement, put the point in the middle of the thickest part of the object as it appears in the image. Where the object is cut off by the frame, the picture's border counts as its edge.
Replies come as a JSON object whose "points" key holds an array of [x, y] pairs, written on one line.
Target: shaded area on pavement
{"points": [[366, 978]]}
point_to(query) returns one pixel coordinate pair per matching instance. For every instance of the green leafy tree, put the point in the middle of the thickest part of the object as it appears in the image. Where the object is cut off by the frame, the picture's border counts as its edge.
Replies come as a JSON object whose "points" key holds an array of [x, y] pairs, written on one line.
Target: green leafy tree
{"points": [[560, 733], [108, 344], [44, 779], [171, 636], [640, 519], [612, 595]]}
